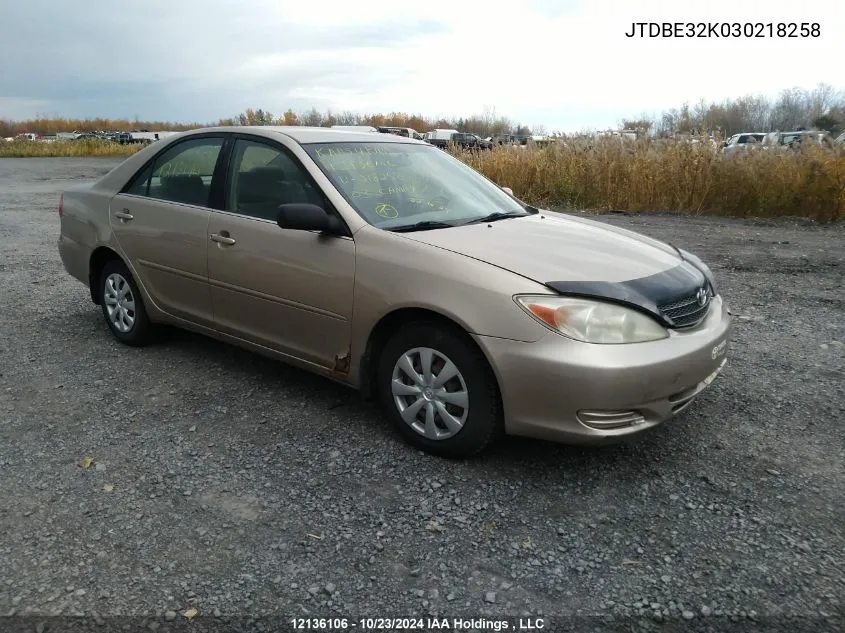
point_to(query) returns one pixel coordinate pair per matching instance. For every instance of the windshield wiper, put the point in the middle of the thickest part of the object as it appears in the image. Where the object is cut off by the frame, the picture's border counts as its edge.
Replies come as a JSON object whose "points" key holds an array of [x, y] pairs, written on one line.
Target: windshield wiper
{"points": [[498, 215], [420, 226]]}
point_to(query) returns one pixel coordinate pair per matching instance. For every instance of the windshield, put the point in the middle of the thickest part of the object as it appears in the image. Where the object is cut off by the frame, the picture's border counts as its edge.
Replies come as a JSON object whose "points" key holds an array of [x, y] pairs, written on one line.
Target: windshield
{"points": [[397, 184]]}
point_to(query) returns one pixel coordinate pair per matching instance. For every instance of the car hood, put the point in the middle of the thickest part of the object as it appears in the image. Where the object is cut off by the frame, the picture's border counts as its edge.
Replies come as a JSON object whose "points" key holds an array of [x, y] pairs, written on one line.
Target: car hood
{"points": [[551, 247]]}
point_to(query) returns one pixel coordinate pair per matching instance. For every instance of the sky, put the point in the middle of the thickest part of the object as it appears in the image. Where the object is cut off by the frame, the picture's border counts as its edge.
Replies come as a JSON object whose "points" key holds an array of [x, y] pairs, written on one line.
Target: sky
{"points": [[566, 65]]}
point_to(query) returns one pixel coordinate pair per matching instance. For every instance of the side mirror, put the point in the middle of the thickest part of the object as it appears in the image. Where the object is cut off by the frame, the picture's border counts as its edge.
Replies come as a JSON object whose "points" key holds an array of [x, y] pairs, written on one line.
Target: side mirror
{"points": [[299, 216], [508, 190]]}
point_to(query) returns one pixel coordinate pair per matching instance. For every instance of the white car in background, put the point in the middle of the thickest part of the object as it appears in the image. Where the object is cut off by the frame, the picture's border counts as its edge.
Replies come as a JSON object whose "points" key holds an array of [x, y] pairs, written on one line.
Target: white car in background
{"points": [[743, 141]]}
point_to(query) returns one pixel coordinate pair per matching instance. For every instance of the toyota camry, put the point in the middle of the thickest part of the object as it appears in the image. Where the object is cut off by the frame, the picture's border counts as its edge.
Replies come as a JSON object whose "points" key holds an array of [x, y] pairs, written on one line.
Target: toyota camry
{"points": [[390, 266]]}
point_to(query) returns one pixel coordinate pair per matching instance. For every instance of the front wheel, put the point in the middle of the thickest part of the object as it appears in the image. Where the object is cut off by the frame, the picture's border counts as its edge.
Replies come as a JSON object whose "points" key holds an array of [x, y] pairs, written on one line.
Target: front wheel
{"points": [[439, 391]]}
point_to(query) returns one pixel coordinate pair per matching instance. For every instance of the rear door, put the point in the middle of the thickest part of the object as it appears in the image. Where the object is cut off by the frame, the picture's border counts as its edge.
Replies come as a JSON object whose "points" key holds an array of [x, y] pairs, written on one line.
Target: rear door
{"points": [[287, 290], [160, 220]]}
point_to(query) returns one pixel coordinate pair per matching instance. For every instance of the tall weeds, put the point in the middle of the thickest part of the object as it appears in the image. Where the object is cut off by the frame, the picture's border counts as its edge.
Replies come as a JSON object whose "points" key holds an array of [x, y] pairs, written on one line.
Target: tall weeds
{"points": [[86, 147], [642, 175], [653, 175]]}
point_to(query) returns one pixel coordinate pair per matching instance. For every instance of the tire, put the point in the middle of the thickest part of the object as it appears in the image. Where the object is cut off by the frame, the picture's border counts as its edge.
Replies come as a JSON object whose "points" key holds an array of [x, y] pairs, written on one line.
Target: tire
{"points": [[474, 420], [122, 305]]}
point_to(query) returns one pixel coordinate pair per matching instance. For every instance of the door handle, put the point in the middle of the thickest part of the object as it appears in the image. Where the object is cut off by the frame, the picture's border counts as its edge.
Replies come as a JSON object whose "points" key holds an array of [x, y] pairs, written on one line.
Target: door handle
{"points": [[124, 215], [222, 239]]}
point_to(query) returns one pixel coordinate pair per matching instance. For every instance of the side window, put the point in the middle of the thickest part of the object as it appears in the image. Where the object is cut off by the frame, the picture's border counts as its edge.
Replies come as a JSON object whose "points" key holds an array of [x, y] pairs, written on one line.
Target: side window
{"points": [[140, 184], [262, 177], [183, 173]]}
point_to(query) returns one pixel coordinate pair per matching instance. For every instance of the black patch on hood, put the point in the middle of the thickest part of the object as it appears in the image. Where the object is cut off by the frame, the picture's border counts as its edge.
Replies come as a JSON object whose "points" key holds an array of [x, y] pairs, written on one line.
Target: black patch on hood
{"points": [[646, 294]]}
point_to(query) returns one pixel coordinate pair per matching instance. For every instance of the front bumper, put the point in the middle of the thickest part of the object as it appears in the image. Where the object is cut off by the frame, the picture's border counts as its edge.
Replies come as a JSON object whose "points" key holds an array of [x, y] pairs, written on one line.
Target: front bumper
{"points": [[580, 393]]}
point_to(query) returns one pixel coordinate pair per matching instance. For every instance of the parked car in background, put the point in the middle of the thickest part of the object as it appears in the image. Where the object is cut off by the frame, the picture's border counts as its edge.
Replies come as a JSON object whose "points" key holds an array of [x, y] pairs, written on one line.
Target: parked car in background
{"points": [[439, 136], [743, 141], [392, 267], [145, 136], [796, 139], [479, 142], [502, 139], [466, 140]]}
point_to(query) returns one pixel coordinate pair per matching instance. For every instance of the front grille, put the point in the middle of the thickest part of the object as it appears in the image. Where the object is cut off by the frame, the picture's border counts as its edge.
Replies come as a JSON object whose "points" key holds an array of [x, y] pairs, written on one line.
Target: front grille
{"points": [[687, 312]]}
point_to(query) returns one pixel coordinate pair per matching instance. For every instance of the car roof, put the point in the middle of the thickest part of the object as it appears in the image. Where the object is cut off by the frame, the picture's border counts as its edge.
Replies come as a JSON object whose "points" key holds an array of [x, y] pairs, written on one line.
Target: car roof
{"points": [[115, 179], [303, 134]]}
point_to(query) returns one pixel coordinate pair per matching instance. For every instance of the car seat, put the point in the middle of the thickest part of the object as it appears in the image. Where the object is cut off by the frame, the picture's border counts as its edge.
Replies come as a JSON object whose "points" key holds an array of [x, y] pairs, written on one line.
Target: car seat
{"points": [[185, 188]]}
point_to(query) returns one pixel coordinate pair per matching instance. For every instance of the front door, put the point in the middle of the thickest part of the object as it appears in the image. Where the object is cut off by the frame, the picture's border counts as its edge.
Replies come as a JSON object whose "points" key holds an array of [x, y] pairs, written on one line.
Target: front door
{"points": [[288, 290], [161, 222]]}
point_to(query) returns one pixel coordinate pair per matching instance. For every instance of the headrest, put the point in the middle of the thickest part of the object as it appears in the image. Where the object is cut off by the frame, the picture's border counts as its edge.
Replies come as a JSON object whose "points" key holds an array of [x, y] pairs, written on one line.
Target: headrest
{"points": [[271, 171], [187, 188], [261, 184], [182, 182]]}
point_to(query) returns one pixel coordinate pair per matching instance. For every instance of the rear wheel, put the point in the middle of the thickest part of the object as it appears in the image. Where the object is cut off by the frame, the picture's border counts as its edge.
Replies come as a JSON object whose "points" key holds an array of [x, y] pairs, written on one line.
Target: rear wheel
{"points": [[123, 308], [438, 390]]}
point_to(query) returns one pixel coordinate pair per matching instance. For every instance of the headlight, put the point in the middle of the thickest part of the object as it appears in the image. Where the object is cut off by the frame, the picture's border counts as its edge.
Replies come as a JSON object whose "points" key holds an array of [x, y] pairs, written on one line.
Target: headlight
{"points": [[592, 321], [704, 268]]}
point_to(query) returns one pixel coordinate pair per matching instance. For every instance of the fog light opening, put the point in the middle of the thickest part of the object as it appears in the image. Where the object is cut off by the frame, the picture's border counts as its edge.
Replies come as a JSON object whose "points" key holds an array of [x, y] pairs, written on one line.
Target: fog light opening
{"points": [[677, 408], [608, 420]]}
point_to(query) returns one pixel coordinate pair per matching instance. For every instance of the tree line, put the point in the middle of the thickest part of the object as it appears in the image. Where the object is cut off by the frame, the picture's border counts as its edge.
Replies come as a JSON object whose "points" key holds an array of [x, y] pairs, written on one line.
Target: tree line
{"points": [[486, 124], [820, 108]]}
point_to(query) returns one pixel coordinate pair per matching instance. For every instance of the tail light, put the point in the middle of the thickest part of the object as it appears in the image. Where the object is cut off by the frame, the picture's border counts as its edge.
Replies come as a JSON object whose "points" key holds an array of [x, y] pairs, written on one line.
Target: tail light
{"points": [[61, 205]]}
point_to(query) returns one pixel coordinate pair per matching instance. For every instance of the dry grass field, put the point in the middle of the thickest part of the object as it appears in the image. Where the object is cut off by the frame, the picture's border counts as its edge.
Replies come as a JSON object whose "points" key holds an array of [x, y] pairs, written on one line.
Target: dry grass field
{"points": [[611, 175], [649, 175], [65, 149]]}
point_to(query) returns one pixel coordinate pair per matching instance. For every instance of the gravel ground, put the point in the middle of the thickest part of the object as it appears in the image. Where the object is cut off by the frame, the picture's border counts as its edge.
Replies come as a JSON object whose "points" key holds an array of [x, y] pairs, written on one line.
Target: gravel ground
{"points": [[241, 487]]}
